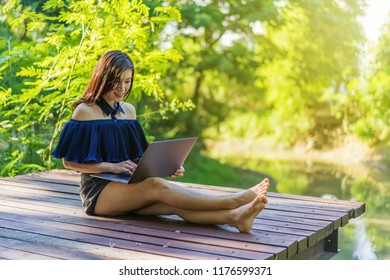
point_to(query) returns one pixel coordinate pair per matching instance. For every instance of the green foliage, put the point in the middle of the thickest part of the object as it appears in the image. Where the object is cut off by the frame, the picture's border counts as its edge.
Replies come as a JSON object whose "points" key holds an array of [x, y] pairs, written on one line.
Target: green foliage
{"points": [[275, 64], [214, 69], [15, 165], [285, 71], [365, 108], [375, 98], [304, 61], [48, 54]]}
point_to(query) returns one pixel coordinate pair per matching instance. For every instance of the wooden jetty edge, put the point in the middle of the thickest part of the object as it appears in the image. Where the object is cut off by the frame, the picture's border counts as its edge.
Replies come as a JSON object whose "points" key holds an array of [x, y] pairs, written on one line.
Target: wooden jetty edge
{"points": [[41, 218]]}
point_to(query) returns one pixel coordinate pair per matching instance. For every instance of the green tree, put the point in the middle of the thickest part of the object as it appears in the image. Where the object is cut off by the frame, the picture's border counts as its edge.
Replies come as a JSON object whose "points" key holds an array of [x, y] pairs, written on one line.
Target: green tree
{"points": [[216, 39], [50, 49], [264, 67], [315, 51], [366, 110]]}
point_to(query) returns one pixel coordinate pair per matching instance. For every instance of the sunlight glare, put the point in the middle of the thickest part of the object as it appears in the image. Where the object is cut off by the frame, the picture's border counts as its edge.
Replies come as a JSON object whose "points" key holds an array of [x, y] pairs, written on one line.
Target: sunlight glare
{"points": [[377, 13]]}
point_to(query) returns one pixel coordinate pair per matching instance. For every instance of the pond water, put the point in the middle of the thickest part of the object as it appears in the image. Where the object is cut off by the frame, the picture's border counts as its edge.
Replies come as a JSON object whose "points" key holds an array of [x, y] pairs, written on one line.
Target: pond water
{"points": [[366, 237]]}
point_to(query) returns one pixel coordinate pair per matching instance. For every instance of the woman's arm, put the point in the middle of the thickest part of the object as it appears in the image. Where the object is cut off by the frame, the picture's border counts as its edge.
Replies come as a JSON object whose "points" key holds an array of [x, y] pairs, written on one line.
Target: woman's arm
{"points": [[121, 167]]}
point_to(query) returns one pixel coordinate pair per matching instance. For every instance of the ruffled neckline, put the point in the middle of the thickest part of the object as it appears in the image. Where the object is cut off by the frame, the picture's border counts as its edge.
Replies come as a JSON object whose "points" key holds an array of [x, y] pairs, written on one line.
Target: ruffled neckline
{"points": [[103, 120], [101, 140]]}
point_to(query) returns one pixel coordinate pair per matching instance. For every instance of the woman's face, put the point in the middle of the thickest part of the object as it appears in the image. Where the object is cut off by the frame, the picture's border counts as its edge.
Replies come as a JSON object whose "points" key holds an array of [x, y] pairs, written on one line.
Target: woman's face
{"points": [[119, 91]]}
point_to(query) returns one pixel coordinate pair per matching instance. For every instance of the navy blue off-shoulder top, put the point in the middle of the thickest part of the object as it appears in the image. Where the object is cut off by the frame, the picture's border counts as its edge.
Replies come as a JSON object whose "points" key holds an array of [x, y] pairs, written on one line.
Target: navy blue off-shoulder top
{"points": [[102, 140]]}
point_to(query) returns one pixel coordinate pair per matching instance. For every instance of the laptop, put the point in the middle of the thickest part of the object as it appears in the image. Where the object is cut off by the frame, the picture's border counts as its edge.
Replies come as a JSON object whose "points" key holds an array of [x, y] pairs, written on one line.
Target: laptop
{"points": [[161, 159]]}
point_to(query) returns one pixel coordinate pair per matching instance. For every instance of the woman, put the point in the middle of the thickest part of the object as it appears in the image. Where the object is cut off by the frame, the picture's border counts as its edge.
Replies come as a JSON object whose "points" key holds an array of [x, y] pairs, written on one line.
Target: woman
{"points": [[103, 135]]}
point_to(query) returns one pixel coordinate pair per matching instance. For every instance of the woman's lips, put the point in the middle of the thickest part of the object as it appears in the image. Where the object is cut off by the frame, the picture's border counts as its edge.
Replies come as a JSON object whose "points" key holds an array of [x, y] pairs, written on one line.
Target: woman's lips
{"points": [[119, 95]]}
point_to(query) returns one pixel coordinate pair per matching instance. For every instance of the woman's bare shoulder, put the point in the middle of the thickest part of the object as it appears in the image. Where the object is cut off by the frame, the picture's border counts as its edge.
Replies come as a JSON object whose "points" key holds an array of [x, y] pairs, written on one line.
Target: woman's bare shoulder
{"points": [[84, 112], [129, 110]]}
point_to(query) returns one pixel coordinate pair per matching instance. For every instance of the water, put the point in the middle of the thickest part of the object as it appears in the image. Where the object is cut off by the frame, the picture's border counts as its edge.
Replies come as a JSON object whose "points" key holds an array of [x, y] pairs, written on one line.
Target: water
{"points": [[366, 237]]}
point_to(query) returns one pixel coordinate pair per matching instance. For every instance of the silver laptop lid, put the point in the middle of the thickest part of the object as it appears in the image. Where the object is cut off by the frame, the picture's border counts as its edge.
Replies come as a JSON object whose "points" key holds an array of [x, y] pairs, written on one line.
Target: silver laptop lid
{"points": [[163, 158]]}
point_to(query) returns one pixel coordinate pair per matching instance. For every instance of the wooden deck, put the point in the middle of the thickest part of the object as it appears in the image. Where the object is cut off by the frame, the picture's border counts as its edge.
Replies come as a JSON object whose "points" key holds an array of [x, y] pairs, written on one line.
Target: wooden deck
{"points": [[41, 218]]}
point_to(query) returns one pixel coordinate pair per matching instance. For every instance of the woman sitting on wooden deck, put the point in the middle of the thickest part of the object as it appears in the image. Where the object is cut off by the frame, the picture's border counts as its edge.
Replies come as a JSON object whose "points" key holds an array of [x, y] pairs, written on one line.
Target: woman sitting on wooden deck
{"points": [[103, 135]]}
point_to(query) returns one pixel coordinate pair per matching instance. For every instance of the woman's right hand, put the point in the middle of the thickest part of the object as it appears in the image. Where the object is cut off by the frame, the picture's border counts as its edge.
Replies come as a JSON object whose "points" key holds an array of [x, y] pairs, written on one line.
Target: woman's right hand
{"points": [[127, 167]]}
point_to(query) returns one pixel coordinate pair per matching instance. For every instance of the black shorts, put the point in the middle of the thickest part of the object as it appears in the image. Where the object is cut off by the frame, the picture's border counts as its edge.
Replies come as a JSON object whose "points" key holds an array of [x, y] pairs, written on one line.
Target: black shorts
{"points": [[90, 188]]}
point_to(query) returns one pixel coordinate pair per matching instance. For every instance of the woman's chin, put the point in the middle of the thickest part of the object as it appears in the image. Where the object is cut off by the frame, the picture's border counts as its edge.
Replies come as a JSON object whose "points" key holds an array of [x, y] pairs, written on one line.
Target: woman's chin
{"points": [[117, 99]]}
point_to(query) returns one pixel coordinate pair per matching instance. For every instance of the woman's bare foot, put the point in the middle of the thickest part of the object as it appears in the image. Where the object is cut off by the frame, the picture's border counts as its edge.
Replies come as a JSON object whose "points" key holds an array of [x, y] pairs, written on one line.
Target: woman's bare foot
{"points": [[249, 195], [261, 189], [244, 216]]}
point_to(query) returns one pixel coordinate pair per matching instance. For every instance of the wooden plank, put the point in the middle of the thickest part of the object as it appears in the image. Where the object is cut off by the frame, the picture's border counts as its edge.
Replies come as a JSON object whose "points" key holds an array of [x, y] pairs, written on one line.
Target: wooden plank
{"points": [[256, 237], [107, 242], [12, 195], [31, 191], [287, 224], [53, 209], [310, 236], [314, 233], [157, 237], [15, 254], [48, 186], [310, 204], [49, 201], [72, 178], [214, 235], [61, 176], [142, 222], [69, 177], [358, 207], [296, 243], [265, 236], [323, 228], [78, 202], [105, 252], [44, 250], [338, 218], [54, 187], [316, 218], [230, 234], [37, 192]]}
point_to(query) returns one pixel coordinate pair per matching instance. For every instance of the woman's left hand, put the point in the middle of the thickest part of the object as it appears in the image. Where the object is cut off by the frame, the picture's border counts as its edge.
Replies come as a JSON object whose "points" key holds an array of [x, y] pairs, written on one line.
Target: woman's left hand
{"points": [[179, 172]]}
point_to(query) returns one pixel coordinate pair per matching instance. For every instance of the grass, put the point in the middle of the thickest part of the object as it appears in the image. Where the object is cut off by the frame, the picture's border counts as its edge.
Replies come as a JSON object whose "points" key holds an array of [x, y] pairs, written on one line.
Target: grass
{"points": [[202, 169]]}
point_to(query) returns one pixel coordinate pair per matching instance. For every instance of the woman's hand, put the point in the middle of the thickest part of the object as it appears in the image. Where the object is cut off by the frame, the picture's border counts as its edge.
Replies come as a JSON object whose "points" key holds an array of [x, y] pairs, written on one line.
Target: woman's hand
{"points": [[178, 173], [127, 167]]}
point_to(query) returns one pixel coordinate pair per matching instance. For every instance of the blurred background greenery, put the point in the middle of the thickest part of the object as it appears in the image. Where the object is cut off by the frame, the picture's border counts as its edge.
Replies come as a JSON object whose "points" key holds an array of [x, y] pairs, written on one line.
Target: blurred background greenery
{"points": [[290, 89]]}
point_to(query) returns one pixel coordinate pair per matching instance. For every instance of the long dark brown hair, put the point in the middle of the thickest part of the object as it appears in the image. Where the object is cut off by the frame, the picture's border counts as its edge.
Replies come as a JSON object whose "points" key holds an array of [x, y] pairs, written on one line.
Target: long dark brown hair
{"points": [[106, 75]]}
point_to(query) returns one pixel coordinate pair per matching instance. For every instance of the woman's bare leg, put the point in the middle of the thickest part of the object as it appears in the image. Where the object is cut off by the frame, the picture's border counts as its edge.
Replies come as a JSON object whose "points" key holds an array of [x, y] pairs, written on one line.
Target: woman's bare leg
{"points": [[118, 199], [241, 218]]}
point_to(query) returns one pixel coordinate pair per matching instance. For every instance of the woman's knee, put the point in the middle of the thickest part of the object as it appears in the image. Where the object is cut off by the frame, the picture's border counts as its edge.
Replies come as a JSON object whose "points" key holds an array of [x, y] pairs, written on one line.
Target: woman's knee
{"points": [[158, 185]]}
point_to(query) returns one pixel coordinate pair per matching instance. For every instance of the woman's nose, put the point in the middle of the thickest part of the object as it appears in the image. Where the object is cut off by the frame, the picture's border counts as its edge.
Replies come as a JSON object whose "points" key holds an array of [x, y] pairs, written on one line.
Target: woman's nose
{"points": [[121, 86]]}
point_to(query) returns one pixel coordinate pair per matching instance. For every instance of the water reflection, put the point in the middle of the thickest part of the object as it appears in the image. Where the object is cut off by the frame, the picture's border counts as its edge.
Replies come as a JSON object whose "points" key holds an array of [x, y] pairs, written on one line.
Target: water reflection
{"points": [[367, 237], [364, 248]]}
